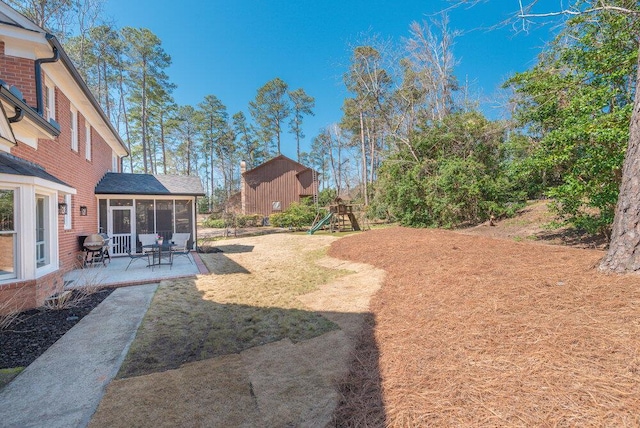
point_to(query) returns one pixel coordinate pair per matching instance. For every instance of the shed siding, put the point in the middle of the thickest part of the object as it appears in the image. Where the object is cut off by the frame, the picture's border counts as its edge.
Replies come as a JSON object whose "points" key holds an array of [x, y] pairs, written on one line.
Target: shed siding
{"points": [[281, 180]]}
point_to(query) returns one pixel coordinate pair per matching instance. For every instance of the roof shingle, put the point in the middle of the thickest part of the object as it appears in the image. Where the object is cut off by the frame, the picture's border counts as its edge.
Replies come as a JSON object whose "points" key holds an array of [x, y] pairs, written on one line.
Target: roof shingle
{"points": [[149, 184]]}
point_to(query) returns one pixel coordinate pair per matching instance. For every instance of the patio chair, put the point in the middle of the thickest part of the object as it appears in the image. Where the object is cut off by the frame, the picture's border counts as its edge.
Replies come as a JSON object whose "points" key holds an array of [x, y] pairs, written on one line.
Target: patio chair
{"points": [[179, 248], [147, 239], [134, 256]]}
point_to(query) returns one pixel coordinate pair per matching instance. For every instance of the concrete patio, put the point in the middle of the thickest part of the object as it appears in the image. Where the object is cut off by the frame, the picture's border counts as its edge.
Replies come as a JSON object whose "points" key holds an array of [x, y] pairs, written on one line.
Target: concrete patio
{"points": [[115, 272]]}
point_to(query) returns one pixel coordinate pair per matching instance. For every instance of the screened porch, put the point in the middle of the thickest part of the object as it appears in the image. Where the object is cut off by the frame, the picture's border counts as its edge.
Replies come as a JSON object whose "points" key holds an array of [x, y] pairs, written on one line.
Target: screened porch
{"points": [[125, 219]]}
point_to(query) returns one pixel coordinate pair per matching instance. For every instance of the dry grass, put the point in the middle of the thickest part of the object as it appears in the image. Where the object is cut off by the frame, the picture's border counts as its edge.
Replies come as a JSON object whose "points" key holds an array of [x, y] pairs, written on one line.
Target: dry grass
{"points": [[473, 331], [236, 308]]}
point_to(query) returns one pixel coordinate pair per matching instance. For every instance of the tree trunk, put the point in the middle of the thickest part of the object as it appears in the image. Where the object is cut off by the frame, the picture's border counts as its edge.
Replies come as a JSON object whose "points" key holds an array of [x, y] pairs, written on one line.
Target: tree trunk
{"points": [[163, 143], [365, 191], [143, 119], [624, 248]]}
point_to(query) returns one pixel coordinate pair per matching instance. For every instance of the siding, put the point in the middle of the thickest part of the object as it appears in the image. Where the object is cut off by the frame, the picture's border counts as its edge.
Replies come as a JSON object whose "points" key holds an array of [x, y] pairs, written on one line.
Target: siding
{"points": [[279, 179]]}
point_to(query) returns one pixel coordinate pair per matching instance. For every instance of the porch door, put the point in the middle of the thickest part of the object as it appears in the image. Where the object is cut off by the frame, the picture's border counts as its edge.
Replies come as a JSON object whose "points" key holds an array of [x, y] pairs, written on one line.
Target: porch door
{"points": [[121, 229]]}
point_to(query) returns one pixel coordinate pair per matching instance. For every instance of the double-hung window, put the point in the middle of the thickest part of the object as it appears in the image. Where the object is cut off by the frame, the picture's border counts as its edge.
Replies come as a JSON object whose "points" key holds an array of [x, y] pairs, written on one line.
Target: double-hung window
{"points": [[87, 141], [42, 231], [8, 235], [74, 129], [49, 101]]}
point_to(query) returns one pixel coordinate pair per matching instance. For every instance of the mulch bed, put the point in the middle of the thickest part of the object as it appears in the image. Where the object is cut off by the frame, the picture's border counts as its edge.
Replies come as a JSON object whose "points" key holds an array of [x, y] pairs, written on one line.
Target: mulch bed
{"points": [[474, 331], [34, 331]]}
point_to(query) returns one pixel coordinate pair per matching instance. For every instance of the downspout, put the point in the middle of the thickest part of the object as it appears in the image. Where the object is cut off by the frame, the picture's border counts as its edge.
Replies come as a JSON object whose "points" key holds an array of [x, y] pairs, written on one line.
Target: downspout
{"points": [[19, 114], [38, 71]]}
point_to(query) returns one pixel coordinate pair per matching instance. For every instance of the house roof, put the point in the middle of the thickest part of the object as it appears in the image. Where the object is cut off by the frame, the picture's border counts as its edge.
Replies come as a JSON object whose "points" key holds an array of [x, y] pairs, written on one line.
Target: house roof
{"points": [[13, 18], [149, 184], [10, 164], [21, 108], [299, 166]]}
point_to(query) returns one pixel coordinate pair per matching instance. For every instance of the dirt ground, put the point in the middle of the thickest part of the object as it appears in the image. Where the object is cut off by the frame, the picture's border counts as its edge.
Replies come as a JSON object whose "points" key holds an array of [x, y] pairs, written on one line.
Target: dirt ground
{"points": [[474, 331]]}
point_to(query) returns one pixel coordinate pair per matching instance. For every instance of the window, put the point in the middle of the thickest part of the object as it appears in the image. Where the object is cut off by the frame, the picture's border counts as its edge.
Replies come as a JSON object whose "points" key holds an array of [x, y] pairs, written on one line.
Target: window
{"points": [[74, 129], [42, 230], [8, 235], [114, 162], [87, 141], [49, 101], [276, 206], [67, 216]]}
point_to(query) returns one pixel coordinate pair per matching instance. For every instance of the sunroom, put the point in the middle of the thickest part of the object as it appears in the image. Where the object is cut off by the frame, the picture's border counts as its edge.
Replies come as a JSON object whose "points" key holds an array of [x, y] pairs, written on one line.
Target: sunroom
{"points": [[133, 204]]}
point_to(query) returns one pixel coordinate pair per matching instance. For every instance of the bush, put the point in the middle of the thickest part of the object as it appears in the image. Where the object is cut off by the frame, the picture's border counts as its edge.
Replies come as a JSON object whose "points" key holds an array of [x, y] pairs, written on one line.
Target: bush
{"points": [[216, 223], [296, 216]]}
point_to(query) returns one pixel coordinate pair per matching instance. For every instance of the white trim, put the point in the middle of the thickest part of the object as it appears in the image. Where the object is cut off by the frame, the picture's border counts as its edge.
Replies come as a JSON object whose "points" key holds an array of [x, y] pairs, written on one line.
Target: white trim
{"points": [[68, 217], [36, 181]]}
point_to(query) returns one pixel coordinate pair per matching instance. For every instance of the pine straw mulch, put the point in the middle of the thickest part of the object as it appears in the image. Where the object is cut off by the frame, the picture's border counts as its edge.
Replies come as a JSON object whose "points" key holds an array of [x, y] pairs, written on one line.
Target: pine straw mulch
{"points": [[474, 331]]}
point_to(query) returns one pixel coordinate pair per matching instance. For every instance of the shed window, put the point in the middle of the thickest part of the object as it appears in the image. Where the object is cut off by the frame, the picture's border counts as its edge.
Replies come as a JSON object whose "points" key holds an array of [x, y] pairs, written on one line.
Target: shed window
{"points": [[276, 206]]}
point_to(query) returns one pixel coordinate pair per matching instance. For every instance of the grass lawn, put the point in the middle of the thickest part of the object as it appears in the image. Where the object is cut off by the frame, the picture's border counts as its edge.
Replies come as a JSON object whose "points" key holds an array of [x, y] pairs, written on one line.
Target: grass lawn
{"points": [[234, 309]]}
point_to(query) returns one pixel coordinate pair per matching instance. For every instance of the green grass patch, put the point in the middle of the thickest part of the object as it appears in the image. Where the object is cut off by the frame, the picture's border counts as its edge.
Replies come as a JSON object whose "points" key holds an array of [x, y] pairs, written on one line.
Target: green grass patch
{"points": [[195, 319], [7, 375]]}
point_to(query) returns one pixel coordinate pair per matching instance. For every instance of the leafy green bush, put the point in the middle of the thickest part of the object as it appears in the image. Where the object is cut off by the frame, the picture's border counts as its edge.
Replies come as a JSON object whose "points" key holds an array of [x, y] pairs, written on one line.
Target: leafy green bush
{"points": [[296, 216], [217, 223], [458, 178]]}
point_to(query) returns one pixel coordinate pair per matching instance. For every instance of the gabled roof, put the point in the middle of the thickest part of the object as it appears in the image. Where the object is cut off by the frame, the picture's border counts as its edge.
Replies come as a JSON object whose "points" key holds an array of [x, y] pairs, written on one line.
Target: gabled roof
{"points": [[298, 165], [27, 30], [149, 184]]}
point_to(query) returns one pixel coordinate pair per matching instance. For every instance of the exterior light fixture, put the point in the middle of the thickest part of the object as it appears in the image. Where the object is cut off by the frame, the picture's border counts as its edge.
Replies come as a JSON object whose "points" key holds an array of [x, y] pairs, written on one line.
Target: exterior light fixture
{"points": [[83, 210], [62, 208]]}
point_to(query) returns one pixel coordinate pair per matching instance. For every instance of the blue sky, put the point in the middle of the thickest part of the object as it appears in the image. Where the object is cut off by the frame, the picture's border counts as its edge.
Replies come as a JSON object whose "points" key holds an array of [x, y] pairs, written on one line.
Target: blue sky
{"points": [[231, 48]]}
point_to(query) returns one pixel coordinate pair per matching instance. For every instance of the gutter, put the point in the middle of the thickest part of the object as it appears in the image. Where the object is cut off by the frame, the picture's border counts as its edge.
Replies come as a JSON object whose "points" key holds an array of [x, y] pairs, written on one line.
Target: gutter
{"points": [[57, 47], [22, 110], [38, 73]]}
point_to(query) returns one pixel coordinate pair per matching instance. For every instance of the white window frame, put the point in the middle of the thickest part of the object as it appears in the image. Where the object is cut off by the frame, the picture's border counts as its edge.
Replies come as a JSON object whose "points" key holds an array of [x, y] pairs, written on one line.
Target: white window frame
{"points": [[87, 141], [74, 129], [43, 246], [114, 162], [50, 100], [14, 234], [67, 217]]}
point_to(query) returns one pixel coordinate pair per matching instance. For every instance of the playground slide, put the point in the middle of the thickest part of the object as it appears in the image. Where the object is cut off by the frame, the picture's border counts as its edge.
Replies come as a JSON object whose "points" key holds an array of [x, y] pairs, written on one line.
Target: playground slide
{"points": [[354, 222], [321, 223]]}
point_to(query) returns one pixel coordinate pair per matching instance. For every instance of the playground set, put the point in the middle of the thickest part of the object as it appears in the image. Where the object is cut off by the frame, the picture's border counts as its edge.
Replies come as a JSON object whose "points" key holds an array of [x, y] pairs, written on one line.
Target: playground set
{"points": [[340, 218]]}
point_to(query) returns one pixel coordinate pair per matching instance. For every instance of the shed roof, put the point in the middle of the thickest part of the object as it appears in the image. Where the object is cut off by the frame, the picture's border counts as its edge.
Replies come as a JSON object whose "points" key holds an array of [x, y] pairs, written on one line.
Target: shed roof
{"points": [[149, 184], [10, 164]]}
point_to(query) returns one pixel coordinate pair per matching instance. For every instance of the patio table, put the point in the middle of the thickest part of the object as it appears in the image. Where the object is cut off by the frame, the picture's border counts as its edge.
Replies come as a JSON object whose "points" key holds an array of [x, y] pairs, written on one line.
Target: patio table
{"points": [[158, 250]]}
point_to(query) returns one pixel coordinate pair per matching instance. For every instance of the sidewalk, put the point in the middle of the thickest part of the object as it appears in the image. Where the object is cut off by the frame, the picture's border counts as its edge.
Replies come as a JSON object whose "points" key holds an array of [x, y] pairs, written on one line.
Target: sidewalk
{"points": [[64, 386]]}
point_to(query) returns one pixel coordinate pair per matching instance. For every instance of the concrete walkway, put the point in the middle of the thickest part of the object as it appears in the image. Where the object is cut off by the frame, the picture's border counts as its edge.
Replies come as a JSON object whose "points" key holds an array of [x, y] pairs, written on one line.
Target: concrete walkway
{"points": [[64, 386]]}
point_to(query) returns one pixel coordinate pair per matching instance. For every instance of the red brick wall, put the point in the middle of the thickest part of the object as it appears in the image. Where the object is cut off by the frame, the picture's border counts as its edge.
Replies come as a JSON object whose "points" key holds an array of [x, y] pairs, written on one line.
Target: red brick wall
{"points": [[70, 166], [18, 72], [18, 296]]}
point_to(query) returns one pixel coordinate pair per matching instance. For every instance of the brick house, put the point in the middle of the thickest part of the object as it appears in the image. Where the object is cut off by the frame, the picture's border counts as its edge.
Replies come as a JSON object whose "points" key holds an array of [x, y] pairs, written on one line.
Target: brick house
{"points": [[56, 145], [271, 187]]}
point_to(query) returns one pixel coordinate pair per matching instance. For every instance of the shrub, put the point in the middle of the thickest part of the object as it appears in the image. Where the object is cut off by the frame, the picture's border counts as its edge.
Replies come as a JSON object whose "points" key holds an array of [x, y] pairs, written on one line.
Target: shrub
{"points": [[216, 223], [296, 216]]}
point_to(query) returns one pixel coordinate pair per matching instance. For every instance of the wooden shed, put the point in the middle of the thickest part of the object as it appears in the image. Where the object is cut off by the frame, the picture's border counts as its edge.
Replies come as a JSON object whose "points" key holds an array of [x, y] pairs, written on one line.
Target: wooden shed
{"points": [[271, 187]]}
